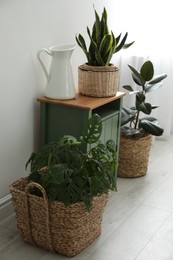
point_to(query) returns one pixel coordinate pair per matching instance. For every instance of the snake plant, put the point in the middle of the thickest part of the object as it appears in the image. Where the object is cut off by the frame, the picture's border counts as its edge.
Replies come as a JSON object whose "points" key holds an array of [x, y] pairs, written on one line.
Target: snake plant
{"points": [[138, 127], [71, 174], [103, 44]]}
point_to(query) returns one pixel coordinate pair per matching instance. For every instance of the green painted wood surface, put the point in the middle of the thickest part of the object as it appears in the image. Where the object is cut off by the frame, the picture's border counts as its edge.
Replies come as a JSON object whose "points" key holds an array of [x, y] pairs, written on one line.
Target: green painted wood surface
{"points": [[57, 120]]}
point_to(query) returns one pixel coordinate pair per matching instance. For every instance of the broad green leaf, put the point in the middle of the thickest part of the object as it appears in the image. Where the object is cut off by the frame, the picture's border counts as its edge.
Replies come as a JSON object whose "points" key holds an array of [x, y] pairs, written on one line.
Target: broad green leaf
{"points": [[147, 71], [153, 107], [128, 87], [129, 131], [151, 127], [140, 97], [137, 74], [127, 115], [138, 80], [94, 129], [151, 87], [157, 78], [145, 108], [151, 119]]}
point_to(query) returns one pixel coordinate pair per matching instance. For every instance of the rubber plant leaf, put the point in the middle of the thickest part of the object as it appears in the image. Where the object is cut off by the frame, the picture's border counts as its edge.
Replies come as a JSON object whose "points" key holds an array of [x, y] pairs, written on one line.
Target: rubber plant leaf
{"points": [[147, 71], [137, 74], [151, 127], [127, 115], [157, 78], [138, 80], [128, 87], [151, 87], [145, 108]]}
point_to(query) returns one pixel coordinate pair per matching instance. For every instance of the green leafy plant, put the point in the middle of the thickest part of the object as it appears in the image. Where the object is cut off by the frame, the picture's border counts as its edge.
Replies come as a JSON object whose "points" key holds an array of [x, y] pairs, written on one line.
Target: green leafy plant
{"points": [[138, 127], [103, 44], [70, 175]]}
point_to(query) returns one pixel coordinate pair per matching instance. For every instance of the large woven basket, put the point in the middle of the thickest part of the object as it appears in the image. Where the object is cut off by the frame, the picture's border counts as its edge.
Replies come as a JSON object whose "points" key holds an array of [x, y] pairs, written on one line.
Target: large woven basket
{"points": [[98, 81], [134, 156], [65, 230]]}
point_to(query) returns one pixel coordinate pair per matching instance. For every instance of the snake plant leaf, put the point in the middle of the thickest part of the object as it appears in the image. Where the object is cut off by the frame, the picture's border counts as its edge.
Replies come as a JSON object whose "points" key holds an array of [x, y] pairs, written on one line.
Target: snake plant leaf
{"points": [[158, 78], [99, 60], [108, 57], [150, 125], [127, 45], [147, 71], [104, 25], [95, 52], [117, 39], [80, 40], [151, 87], [91, 52], [128, 87], [97, 28], [120, 46], [105, 44]]}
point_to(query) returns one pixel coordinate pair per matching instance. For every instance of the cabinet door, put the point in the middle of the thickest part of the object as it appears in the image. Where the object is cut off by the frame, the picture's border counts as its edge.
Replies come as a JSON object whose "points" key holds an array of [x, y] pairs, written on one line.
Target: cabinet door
{"points": [[57, 121], [110, 125]]}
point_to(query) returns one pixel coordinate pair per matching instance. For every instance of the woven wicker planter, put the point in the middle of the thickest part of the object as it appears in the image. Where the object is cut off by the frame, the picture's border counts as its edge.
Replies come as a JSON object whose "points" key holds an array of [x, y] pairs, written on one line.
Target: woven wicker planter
{"points": [[133, 156], [65, 230], [98, 81]]}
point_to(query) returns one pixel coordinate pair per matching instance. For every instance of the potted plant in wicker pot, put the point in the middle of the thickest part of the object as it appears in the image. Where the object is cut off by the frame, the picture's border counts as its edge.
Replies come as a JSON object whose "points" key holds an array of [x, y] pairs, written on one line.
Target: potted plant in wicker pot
{"points": [[59, 206], [98, 77], [136, 131]]}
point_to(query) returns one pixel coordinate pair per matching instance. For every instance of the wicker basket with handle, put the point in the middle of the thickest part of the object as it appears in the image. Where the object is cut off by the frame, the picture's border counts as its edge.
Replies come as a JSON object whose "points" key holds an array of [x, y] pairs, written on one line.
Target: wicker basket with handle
{"points": [[65, 230]]}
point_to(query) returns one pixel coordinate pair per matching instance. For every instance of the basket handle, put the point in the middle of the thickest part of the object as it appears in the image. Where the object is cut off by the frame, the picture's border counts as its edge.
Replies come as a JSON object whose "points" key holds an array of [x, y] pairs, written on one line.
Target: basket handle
{"points": [[29, 186]]}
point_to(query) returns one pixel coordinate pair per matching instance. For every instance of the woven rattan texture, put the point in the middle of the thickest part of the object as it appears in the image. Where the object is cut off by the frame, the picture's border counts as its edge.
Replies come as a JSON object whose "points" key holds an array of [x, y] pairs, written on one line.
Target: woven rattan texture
{"points": [[98, 81], [133, 156], [65, 230]]}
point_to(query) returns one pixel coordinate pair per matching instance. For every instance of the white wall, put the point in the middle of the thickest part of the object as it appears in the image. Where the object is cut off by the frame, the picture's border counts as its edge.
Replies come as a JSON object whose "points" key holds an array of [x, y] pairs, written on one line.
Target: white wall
{"points": [[25, 27]]}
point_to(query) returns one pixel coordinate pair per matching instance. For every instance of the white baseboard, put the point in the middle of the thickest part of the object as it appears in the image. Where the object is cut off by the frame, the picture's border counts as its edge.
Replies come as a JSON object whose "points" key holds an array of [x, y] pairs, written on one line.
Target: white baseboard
{"points": [[6, 207]]}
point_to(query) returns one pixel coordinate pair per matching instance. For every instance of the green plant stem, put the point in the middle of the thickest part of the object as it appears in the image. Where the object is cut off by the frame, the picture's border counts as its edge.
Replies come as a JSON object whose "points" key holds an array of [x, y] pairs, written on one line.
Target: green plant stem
{"points": [[137, 119]]}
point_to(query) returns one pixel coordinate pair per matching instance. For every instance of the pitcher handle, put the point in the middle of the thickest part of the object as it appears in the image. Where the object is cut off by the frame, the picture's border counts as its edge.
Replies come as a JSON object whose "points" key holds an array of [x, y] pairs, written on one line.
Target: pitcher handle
{"points": [[39, 58]]}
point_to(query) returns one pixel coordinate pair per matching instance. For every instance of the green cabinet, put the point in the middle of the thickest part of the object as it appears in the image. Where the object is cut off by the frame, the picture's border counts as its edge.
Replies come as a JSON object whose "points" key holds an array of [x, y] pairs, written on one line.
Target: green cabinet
{"points": [[63, 117]]}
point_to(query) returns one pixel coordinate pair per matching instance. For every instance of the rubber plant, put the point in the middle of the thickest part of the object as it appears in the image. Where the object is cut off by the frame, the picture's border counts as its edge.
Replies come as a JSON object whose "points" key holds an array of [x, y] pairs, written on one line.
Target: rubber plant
{"points": [[68, 173], [131, 123], [103, 44]]}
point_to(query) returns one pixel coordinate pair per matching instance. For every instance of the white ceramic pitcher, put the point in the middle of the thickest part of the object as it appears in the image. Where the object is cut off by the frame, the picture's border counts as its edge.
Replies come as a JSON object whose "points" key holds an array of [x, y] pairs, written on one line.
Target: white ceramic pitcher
{"points": [[60, 83]]}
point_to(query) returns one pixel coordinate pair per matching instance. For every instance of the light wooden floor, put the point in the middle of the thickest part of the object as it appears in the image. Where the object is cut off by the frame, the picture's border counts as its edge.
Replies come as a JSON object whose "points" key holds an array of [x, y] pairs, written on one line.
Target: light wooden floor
{"points": [[137, 224]]}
